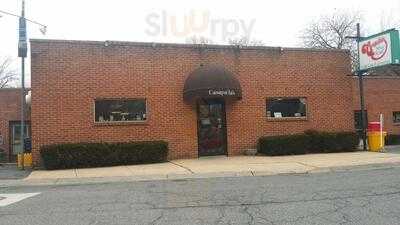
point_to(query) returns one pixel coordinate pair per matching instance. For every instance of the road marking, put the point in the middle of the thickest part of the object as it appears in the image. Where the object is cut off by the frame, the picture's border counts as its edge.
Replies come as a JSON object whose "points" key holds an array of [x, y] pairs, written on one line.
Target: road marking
{"points": [[8, 199]]}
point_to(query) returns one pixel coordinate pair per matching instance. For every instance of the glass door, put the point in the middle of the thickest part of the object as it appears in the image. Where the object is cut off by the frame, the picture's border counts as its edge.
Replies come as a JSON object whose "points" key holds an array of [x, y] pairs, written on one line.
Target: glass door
{"points": [[211, 127], [16, 143]]}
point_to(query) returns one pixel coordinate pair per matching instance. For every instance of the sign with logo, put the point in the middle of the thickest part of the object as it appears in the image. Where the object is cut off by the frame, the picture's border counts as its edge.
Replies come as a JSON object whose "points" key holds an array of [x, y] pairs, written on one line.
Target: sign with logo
{"points": [[379, 50], [222, 93]]}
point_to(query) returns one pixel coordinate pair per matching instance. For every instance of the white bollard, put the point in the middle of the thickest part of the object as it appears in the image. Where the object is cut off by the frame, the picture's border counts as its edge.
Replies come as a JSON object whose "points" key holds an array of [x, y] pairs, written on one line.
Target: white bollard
{"points": [[381, 131]]}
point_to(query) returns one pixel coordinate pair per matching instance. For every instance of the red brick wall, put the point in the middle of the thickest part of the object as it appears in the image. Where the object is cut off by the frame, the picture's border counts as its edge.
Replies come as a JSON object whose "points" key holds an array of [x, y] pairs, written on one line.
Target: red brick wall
{"points": [[382, 95], [10, 110], [68, 76]]}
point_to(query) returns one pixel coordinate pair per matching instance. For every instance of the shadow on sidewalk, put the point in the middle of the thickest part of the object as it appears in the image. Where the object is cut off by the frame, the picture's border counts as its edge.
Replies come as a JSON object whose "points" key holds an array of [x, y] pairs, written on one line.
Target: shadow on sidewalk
{"points": [[392, 149], [10, 171]]}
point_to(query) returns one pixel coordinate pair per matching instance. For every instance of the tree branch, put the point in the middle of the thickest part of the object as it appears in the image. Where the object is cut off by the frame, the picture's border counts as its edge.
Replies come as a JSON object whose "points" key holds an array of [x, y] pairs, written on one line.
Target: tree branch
{"points": [[7, 75]]}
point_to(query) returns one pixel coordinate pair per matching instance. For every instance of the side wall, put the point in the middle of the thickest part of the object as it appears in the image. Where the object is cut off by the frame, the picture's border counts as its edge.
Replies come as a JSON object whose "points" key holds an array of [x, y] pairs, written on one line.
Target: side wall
{"points": [[68, 76], [382, 95]]}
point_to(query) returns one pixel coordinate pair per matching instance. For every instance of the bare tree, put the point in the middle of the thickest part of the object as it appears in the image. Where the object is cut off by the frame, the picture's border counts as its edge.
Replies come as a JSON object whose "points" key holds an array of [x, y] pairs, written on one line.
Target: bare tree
{"points": [[245, 41], [330, 32], [239, 41], [7, 75], [199, 40]]}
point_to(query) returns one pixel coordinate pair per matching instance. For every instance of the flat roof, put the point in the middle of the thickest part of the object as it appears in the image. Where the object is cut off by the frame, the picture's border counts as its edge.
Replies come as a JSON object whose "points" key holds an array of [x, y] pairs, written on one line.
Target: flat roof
{"points": [[179, 45], [13, 89], [388, 71]]}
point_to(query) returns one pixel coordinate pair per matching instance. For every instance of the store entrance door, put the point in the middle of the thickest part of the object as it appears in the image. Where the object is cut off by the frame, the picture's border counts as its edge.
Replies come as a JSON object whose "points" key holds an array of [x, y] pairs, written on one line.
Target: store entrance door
{"points": [[15, 137], [211, 127]]}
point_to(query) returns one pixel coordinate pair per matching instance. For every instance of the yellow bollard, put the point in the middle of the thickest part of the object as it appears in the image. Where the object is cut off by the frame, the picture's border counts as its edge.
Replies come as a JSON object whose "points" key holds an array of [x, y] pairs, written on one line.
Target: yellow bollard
{"points": [[27, 160], [375, 142]]}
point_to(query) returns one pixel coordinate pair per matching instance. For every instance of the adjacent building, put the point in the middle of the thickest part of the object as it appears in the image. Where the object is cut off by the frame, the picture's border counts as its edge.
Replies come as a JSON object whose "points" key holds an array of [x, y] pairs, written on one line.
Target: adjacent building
{"points": [[10, 122], [382, 96]]}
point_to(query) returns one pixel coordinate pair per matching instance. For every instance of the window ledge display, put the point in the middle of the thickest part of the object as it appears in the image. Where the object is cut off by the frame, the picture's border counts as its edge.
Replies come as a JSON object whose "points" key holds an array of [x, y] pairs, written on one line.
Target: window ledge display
{"points": [[302, 118], [120, 123]]}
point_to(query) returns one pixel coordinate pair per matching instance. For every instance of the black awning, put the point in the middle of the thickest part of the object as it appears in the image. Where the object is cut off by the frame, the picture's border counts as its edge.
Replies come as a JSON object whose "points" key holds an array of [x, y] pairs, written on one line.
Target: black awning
{"points": [[211, 82]]}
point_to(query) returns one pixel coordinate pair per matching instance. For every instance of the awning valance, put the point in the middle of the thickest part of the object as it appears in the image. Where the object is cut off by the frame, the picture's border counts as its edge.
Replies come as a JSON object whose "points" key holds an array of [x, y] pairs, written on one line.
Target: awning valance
{"points": [[211, 81]]}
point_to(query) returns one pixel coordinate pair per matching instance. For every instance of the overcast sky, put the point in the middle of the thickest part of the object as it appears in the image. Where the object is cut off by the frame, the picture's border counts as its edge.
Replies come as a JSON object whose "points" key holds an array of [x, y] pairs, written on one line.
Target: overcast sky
{"points": [[276, 23]]}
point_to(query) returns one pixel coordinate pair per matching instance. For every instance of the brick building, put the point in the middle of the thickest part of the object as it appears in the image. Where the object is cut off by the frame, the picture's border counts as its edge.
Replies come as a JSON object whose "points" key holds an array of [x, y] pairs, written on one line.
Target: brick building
{"points": [[203, 100], [10, 119], [382, 95]]}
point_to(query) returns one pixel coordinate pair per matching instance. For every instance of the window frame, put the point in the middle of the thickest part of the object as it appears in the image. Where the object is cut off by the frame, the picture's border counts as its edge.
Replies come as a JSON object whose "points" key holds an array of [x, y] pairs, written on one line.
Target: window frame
{"points": [[127, 122], [287, 118], [393, 117]]}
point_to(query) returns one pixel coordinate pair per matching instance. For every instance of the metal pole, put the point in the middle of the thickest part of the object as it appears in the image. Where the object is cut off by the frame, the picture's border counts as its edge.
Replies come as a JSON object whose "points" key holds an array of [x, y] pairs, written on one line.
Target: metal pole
{"points": [[22, 51], [361, 86], [22, 110]]}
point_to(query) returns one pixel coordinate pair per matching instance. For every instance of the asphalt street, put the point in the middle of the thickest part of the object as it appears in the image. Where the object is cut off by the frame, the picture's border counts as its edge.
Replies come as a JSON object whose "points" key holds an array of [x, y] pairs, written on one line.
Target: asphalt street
{"points": [[370, 196]]}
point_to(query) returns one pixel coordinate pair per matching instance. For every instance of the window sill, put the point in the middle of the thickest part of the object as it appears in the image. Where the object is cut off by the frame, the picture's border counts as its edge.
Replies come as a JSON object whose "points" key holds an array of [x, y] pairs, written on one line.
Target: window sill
{"points": [[120, 123], [396, 124], [273, 119]]}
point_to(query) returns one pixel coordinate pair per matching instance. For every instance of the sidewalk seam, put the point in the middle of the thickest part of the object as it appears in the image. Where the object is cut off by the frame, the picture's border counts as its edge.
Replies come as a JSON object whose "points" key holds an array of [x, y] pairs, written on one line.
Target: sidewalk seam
{"points": [[307, 165], [176, 164]]}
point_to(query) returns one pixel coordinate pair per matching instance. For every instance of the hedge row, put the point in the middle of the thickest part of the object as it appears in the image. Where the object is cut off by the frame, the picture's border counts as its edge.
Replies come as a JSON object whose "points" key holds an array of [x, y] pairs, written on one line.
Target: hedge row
{"points": [[392, 139], [308, 142], [81, 155], [2, 155]]}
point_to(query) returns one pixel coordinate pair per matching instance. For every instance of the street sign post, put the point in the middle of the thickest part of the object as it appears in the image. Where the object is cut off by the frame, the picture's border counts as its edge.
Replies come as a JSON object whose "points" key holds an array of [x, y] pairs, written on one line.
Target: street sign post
{"points": [[22, 53], [28, 144]]}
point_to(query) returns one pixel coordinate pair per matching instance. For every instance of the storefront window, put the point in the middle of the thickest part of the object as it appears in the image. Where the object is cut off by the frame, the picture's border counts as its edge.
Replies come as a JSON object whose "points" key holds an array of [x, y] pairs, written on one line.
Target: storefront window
{"points": [[286, 107], [396, 117], [120, 110]]}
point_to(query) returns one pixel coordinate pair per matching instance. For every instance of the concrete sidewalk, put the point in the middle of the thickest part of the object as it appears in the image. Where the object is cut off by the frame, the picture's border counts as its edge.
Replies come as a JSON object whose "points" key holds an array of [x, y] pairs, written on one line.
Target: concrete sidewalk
{"points": [[222, 166], [9, 171]]}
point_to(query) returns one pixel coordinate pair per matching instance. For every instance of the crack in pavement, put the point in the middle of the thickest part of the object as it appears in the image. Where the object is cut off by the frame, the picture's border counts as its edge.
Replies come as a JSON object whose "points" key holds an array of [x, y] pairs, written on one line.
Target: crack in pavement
{"points": [[154, 222], [184, 167]]}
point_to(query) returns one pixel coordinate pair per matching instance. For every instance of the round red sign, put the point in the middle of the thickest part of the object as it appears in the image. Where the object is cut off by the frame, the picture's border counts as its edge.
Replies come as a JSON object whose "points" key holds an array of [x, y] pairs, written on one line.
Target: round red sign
{"points": [[375, 49]]}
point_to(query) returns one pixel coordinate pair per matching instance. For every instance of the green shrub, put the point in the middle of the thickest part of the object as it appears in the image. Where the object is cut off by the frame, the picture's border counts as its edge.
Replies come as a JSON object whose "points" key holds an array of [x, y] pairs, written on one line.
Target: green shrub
{"points": [[2, 155], [392, 139], [308, 142], [283, 145], [81, 155]]}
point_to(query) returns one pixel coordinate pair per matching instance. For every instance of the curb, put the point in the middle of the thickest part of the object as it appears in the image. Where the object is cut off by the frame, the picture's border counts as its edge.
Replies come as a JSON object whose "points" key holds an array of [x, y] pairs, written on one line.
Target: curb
{"points": [[178, 177]]}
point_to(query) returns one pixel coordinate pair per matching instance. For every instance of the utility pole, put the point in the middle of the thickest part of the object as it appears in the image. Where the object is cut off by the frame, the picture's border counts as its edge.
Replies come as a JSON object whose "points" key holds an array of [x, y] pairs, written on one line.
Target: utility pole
{"points": [[22, 52], [361, 86], [359, 74]]}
